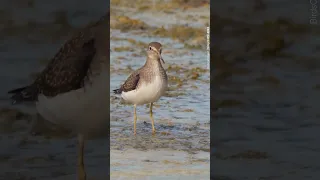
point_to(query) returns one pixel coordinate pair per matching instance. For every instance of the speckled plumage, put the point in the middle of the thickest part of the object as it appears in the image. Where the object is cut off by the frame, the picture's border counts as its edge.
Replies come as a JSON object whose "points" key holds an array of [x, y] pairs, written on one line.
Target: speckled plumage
{"points": [[150, 69], [130, 84], [147, 84], [68, 69], [73, 90]]}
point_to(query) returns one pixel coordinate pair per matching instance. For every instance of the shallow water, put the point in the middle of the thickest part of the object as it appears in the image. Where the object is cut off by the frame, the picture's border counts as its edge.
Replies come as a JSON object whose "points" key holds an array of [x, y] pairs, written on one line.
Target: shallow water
{"points": [[24, 50], [180, 149], [197, 100], [270, 130]]}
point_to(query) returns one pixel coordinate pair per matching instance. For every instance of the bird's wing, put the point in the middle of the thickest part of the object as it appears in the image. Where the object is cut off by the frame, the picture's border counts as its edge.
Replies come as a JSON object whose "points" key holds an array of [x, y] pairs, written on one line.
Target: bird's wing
{"points": [[67, 70], [131, 83]]}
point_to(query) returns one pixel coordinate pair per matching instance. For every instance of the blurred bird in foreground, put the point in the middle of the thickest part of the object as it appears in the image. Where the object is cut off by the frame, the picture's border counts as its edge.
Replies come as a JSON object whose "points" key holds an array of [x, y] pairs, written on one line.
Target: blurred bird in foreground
{"points": [[72, 91]]}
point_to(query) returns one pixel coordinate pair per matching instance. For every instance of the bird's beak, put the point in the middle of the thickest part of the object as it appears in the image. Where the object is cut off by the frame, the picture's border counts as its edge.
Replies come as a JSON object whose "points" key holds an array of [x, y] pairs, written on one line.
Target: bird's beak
{"points": [[161, 58]]}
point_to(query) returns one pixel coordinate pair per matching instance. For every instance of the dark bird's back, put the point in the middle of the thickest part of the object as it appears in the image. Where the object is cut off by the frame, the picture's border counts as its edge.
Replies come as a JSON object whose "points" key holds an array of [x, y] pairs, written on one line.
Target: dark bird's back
{"points": [[67, 70]]}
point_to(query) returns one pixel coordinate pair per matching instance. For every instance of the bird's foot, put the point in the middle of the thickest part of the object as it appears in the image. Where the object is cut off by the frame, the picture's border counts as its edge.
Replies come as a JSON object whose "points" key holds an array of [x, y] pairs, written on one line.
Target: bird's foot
{"points": [[153, 132]]}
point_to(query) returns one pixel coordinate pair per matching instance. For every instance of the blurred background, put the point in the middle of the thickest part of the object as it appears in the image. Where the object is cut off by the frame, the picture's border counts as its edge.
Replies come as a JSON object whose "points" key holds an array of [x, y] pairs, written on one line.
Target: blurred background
{"points": [[31, 32], [180, 149], [266, 90]]}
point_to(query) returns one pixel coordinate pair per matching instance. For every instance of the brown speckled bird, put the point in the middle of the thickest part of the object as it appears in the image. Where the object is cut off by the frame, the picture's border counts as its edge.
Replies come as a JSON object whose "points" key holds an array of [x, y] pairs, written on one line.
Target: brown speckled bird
{"points": [[73, 90], [147, 84]]}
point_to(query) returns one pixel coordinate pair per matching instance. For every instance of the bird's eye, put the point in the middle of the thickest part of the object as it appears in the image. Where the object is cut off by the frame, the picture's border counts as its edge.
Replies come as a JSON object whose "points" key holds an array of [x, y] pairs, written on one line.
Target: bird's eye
{"points": [[150, 48]]}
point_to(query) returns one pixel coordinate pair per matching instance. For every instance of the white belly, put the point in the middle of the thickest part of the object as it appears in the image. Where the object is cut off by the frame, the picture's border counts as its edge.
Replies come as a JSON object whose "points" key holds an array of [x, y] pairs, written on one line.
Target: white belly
{"points": [[146, 93], [83, 110]]}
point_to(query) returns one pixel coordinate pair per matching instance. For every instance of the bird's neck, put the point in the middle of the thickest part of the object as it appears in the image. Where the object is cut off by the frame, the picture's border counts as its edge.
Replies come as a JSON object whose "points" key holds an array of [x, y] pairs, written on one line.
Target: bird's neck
{"points": [[153, 63]]}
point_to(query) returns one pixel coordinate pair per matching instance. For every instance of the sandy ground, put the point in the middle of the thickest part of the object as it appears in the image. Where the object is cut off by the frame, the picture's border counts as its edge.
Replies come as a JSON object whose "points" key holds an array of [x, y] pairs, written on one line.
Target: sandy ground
{"points": [[159, 164]]}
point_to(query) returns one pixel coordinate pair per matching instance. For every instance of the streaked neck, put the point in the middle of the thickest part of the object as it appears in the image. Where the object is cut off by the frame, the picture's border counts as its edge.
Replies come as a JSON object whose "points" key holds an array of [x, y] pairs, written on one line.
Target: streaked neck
{"points": [[153, 63]]}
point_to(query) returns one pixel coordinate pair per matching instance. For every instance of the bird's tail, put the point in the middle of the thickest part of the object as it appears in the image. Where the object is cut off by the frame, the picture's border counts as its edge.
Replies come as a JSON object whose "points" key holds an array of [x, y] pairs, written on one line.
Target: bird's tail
{"points": [[27, 93], [117, 91]]}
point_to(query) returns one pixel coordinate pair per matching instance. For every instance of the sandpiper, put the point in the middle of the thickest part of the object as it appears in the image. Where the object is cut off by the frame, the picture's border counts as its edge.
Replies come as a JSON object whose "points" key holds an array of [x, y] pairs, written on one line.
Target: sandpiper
{"points": [[72, 91], [147, 84]]}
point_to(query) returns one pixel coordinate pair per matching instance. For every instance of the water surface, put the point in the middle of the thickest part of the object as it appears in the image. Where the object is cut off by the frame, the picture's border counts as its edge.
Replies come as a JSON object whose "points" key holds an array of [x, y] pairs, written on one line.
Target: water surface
{"points": [[180, 148], [266, 118]]}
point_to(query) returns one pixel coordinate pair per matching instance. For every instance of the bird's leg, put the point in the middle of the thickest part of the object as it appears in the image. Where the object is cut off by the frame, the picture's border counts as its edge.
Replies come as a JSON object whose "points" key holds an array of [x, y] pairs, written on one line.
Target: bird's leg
{"points": [[81, 171], [134, 119], [152, 121]]}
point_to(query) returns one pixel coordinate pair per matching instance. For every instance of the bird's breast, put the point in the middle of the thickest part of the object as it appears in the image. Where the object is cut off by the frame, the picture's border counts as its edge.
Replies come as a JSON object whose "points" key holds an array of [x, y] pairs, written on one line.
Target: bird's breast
{"points": [[79, 109], [147, 91]]}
